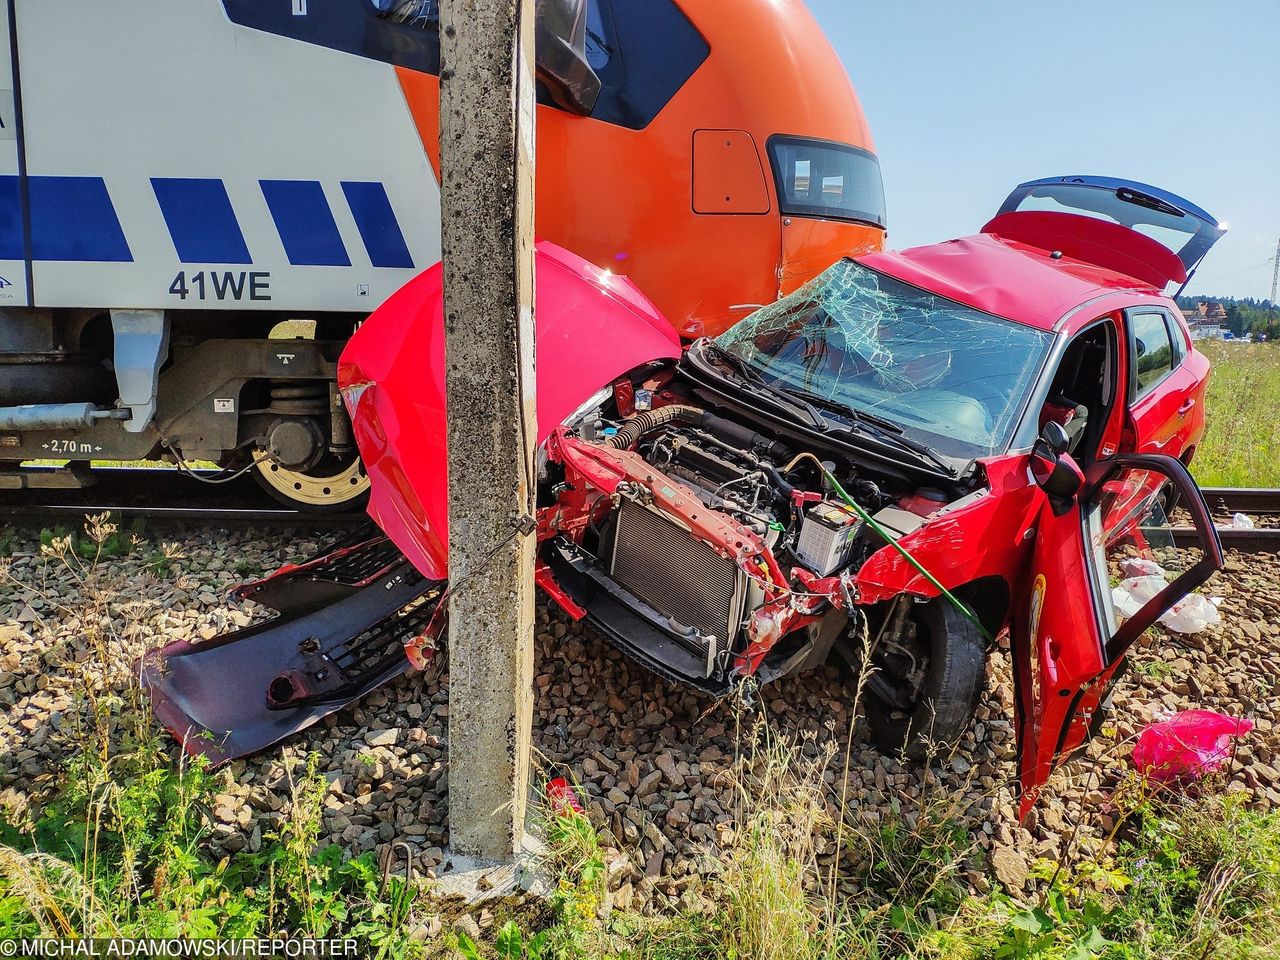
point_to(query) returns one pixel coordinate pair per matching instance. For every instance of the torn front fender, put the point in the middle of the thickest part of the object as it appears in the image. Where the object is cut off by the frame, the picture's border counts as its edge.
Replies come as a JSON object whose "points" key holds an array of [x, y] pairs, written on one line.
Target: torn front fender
{"points": [[590, 327], [985, 534]]}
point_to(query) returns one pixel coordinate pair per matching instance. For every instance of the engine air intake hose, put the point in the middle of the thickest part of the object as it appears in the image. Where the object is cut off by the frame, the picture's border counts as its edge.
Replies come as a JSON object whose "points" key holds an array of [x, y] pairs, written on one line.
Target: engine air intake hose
{"points": [[637, 426], [742, 436]]}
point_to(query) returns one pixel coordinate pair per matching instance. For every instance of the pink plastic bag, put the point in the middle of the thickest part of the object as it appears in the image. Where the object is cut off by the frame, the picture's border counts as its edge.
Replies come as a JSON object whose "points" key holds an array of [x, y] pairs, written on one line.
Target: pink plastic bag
{"points": [[564, 801], [1187, 746]]}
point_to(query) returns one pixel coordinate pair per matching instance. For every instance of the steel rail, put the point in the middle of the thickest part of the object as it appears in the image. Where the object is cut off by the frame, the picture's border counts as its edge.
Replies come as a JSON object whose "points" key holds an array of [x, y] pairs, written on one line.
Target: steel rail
{"points": [[1242, 499], [208, 516], [1248, 500], [1257, 540]]}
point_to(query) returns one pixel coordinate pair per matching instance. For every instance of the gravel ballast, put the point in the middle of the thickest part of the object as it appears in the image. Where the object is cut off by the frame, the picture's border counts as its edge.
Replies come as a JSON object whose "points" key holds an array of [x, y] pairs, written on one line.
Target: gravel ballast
{"points": [[654, 760]]}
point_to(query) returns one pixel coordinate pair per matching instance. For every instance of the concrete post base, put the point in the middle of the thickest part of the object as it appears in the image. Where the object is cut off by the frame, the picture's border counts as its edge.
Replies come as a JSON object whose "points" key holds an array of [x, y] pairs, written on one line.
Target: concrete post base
{"points": [[477, 881]]}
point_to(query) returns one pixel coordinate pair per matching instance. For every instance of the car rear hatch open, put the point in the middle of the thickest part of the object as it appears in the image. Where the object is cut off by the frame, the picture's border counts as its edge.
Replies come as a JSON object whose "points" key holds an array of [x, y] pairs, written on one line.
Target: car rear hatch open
{"points": [[1131, 228]]}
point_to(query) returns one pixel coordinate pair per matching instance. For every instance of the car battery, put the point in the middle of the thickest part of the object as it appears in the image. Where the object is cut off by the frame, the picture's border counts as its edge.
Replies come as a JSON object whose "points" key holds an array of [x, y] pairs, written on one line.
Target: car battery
{"points": [[826, 536]]}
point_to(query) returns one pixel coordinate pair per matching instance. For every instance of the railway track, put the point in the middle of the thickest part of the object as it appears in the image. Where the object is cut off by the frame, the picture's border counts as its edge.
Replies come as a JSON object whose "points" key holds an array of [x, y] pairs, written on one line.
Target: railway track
{"points": [[1248, 500], [187, 499], [1252, 501], [128, 494], [263, 517]]}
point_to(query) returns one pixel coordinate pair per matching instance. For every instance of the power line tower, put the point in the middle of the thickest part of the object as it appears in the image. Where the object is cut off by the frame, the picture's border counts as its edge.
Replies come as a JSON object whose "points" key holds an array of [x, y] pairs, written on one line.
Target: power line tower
{"points": [[1275, 277]]}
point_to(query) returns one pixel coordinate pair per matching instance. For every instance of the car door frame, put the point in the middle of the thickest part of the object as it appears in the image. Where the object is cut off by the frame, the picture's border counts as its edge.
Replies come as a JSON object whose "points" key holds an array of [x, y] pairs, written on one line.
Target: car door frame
{"points": [[1046, 732]]}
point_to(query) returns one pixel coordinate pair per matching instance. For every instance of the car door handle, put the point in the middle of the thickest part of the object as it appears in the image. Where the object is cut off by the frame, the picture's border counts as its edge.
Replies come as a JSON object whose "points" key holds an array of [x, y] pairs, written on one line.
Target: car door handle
{"points": [[1186, 407]]}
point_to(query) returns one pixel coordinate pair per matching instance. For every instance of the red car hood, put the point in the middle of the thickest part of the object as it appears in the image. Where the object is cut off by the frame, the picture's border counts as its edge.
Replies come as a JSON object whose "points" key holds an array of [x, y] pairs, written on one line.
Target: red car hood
{"points": [[590, 327]]}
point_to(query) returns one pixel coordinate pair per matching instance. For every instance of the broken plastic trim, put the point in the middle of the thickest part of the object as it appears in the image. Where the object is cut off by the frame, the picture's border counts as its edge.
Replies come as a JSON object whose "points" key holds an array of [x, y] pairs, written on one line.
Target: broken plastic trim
{"points": [[346, 618]]}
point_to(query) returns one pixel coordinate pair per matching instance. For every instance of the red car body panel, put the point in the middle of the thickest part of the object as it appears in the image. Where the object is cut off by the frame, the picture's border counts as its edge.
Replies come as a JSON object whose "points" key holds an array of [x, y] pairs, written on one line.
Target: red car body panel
{"points": [[1005, 278], [1094, 241], [591, 326], [984, 537]]}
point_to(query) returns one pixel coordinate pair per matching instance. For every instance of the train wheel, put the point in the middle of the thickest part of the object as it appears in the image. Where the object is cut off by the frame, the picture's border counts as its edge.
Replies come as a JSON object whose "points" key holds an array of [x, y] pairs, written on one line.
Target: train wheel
{"points": [[331, 486]]}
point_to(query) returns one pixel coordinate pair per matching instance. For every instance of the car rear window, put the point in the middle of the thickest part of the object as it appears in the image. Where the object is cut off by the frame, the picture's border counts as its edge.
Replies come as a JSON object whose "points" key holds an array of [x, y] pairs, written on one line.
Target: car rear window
{"points": [[1153, 352]]}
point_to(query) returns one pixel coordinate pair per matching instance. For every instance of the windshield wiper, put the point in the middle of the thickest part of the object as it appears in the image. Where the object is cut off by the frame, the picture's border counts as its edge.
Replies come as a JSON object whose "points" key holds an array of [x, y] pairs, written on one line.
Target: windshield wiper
{"points": [[882, 429], [752, 376], [797, 399], [916, 446], [844, 408]]}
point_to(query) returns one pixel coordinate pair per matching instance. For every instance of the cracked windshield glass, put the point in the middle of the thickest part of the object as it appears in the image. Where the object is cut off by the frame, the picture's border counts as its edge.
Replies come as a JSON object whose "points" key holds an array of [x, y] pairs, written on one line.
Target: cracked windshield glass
{"points": [[948, 375]]}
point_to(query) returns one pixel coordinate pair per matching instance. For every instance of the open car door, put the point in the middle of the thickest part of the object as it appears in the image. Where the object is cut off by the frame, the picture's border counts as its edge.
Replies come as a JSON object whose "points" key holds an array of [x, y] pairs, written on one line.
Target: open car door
{"points": [[1106, 567]]}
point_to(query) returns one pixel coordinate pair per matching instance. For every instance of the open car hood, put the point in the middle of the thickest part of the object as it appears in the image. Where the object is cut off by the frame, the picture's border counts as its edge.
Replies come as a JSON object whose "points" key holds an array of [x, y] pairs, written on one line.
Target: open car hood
{"points": [[590, 327], [1132, 228]]}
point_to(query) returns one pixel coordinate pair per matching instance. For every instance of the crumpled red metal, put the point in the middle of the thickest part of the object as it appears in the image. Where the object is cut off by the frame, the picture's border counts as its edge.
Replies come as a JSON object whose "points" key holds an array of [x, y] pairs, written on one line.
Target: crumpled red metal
{"points": [[590, 327]]}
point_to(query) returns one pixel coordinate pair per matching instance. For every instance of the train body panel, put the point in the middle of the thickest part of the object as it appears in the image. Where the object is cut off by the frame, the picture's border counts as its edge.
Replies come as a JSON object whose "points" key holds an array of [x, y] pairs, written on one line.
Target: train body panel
{"points": [[13, 266], [178, 160]]}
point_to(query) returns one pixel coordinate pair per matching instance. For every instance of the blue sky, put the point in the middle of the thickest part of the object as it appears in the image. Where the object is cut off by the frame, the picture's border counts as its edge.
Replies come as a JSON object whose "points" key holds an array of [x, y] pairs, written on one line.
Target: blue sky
{"points": [[967, 98]]}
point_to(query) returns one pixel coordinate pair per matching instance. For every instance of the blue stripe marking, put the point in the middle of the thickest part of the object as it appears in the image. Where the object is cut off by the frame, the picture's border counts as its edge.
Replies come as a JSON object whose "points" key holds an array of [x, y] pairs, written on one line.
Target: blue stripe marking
{"points": [[305, 223], [72, 219], [11, 247], [376, 221], [201, 220]]}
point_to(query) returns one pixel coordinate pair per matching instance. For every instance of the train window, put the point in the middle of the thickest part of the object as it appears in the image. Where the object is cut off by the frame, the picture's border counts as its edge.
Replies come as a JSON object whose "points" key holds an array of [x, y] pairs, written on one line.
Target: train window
{"points": [[816, 178], [401, 32], [414, 13], [643, 53], [599, 42]]}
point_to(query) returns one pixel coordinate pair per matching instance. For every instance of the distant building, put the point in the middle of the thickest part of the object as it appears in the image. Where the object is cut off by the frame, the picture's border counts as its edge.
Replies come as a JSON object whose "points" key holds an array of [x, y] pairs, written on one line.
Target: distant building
{"points": [[1208, 321]]}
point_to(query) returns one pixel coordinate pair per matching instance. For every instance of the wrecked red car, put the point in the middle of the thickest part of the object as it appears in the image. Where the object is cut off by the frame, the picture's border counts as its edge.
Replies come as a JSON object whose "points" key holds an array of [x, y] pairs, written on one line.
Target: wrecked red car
{"points": [[907, 456]]}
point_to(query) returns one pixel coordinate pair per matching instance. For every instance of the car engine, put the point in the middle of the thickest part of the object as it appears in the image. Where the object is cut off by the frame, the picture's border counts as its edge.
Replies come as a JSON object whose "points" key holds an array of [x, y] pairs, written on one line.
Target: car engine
{"points": [[782, 552]]}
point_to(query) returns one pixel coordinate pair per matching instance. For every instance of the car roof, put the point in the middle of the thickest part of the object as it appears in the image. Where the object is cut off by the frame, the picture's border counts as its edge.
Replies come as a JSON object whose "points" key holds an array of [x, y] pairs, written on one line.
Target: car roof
{"points": [[1005, 278]]}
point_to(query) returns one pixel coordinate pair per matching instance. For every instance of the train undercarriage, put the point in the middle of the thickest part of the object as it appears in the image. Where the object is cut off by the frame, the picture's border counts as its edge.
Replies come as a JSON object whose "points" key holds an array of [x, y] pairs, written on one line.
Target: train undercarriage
{"points": [[82, 386]]}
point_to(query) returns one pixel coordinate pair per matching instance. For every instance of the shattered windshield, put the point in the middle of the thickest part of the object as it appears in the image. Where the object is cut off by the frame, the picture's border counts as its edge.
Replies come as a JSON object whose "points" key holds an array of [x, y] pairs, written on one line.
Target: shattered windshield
{"points": [[948, 375]]}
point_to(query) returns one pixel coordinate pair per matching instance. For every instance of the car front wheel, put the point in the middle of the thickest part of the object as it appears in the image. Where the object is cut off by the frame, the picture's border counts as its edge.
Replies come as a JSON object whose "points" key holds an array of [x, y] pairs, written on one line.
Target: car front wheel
{"points": [[927, 668]]}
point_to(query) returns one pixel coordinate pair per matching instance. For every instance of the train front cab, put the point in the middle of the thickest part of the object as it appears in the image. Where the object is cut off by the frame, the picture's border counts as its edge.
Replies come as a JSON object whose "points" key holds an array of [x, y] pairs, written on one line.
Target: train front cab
{"points": [[726, 161]]}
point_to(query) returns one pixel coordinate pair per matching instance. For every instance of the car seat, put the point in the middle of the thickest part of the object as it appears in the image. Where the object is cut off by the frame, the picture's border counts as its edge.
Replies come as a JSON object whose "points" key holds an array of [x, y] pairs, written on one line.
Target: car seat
{"points": [[1073, 416]]}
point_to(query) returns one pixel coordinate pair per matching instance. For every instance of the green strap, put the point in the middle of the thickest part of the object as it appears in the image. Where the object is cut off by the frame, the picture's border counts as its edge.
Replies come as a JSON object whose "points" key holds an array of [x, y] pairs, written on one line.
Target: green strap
{"points": [[906, 554]]}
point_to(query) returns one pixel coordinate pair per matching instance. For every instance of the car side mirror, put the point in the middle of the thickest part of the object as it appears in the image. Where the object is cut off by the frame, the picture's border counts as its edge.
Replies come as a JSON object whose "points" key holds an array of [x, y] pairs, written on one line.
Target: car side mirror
{"points": [[560, 39], [1056, 471]]}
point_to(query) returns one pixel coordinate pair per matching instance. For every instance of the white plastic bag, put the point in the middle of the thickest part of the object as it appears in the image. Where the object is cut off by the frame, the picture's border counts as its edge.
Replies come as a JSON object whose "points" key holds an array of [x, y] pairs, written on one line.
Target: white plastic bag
{"points": [[1129, 596], [1240, 521], [1142, 567], [1191, 614]]}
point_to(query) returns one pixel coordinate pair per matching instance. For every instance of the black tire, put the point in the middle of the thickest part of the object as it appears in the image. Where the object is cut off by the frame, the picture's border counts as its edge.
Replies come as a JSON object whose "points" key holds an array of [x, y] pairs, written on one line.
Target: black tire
{"points": [[953, 682]]}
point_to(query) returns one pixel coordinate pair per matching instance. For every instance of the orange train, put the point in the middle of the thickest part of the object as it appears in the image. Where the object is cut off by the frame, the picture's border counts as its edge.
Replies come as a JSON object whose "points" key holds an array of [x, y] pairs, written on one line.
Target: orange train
{"points": [[734, 165], [237, 163]]}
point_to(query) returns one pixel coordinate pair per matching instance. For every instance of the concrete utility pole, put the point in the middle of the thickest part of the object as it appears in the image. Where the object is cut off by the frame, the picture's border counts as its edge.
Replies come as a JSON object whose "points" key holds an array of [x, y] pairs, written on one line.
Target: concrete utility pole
{"points": [[486, 157]]}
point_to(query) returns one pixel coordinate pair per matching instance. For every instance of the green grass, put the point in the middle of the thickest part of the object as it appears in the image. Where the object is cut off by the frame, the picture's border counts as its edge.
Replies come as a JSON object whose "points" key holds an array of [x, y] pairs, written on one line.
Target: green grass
{"points": [[1241, 445]]}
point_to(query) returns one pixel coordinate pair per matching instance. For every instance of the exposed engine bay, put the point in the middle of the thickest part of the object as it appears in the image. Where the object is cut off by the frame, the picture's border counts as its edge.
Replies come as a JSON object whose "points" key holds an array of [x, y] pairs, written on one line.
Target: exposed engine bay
{"points": [[704, 547]]}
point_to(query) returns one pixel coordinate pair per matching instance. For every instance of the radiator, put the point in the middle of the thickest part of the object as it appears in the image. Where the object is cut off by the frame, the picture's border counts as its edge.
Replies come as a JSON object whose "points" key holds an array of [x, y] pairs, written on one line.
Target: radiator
{"points": [[679, 576]]}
